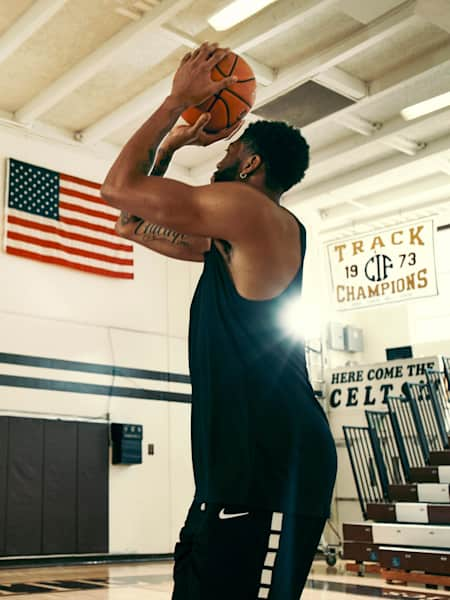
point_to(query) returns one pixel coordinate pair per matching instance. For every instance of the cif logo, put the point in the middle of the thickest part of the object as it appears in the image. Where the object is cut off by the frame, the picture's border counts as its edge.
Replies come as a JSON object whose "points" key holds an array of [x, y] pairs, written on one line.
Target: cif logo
{"points": [[377, 267]]}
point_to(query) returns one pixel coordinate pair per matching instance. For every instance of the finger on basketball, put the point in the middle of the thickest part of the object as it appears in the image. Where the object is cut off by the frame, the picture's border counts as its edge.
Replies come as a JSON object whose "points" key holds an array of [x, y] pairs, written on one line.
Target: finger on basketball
{"points": [[224, 83], [202, 121], [207, 49], [217, 56]]}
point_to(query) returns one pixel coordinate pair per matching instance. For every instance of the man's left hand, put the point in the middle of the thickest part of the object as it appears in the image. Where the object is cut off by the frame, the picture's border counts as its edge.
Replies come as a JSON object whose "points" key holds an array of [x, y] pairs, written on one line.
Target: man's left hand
{"points": [[195, 135]]}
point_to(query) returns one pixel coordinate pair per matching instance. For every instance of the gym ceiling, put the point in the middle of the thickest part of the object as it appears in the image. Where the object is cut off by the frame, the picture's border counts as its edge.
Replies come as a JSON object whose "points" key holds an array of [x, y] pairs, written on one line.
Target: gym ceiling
{"points": [[88, 72]]}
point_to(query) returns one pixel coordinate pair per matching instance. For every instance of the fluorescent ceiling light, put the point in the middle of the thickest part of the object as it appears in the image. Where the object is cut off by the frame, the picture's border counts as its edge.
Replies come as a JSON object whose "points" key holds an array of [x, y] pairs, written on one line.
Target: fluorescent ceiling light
{"points": [[237, 11], [428, 106]]}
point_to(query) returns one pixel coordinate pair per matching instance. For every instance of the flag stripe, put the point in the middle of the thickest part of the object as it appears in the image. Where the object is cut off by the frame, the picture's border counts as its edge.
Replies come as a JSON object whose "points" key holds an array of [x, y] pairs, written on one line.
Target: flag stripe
{"points": [[51, 252], [83, 195], [55, 238], [67, 263], [67, 234], [87, 211], [85, 182], [86, 224], [13, 235], [106, 210], [64, 212]]}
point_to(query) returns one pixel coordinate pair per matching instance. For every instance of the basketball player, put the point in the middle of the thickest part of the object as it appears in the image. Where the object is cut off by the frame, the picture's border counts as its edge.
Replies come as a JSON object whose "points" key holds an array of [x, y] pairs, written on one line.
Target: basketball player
{"points": [[263, 456]]}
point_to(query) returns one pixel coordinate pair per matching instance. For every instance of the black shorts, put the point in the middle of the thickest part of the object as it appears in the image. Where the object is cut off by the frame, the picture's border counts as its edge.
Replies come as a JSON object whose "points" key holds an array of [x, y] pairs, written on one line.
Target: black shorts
{"points": [[235, 553]]}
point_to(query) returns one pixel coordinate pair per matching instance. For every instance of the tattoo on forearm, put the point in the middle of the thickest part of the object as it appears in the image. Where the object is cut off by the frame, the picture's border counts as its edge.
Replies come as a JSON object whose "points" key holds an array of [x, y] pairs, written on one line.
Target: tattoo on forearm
{"points": [[151, 232], [126, 217]]}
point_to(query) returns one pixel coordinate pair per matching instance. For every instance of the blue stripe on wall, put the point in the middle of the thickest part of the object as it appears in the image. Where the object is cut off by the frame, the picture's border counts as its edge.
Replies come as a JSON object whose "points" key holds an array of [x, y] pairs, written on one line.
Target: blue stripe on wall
{"points": [[91, 388], [69, 365]]}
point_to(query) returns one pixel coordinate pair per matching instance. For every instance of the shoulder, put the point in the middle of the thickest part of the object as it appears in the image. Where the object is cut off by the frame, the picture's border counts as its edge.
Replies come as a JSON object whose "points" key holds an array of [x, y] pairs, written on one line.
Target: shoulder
{"points": [[244, 204]]}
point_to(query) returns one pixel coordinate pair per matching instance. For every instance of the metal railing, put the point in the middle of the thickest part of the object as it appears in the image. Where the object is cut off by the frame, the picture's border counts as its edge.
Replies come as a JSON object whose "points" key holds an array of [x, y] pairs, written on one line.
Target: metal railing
{"points": [[362, 460], [427, 415], [446, 363], [410, 439], [437, 384], [386, 452]]}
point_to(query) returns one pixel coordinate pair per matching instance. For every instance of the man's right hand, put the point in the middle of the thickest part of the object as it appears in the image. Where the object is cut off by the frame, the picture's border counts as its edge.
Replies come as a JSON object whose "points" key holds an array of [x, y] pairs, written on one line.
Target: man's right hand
{"points": [[195, 135]]}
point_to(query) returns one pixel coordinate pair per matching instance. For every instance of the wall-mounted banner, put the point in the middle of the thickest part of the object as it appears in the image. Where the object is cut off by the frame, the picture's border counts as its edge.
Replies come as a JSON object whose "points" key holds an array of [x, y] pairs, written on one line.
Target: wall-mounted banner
{"points": [[366, 387], [385, 266]]}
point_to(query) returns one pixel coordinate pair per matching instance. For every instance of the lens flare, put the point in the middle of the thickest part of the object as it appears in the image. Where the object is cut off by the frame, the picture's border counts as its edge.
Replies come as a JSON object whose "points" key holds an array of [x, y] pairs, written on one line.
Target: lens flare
{"points": [[302, 320]]}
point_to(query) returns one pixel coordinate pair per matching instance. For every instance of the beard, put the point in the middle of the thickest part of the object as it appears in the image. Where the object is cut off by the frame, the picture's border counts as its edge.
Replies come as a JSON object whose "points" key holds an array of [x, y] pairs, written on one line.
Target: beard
{"points": [[227, 174]]}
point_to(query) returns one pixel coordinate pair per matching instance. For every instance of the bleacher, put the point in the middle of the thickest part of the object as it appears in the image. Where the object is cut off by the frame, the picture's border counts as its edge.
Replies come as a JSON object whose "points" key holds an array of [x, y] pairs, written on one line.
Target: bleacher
{"points": [[401, 465]]}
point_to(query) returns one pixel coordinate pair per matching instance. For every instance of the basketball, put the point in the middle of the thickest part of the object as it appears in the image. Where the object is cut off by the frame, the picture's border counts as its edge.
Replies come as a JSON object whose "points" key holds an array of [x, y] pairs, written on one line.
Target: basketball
{"points": [[230, 104]]}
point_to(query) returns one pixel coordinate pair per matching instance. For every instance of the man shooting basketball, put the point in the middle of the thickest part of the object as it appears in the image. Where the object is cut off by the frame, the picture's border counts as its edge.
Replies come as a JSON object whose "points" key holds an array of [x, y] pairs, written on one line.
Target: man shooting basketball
{"points": [[263, 456]]}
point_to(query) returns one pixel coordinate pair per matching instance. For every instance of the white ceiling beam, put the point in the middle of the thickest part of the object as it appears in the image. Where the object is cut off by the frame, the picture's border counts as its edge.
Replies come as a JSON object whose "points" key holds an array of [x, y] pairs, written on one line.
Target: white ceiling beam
{"points": [[406, 202], [284, 15], [58, 135], [98, 59], [436, 12], [263, 74], [382, 168], [372, 35], [347, 85], [30, 21], [427, 76], [364, 12], [442, 164], [426, 188], [262, 28], [140, 104], [358, 124], [402, 144], [126, 12], [349, 149]]}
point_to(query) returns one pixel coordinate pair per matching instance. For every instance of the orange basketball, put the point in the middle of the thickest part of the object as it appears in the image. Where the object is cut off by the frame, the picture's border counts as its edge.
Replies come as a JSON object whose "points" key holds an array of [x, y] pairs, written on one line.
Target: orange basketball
{"points": [[230, 104]]}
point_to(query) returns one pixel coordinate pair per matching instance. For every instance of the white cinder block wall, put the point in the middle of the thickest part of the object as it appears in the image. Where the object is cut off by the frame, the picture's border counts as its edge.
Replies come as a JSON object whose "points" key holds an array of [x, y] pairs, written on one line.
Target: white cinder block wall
{"points": [[54, 312]]}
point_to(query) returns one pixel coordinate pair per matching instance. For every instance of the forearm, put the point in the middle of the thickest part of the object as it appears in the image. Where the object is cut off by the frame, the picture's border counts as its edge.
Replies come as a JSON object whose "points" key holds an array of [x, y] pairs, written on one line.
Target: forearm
{"points": [[138, 155], [160, 166], [149, 234]]}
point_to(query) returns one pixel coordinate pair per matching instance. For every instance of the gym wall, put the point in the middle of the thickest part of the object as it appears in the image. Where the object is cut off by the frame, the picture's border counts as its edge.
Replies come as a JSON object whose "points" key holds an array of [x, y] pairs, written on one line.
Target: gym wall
{"points": [[49, 312], [55, 313]]}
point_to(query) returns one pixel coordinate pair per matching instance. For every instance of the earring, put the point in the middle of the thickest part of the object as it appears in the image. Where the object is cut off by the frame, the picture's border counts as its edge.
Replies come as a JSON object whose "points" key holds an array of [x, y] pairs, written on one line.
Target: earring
{"points": [[243, 175]]}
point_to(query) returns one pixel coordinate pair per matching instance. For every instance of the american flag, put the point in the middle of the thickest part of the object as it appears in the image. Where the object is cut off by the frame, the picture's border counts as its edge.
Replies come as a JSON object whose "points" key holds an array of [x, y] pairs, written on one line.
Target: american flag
{"points": [[60, 219]]}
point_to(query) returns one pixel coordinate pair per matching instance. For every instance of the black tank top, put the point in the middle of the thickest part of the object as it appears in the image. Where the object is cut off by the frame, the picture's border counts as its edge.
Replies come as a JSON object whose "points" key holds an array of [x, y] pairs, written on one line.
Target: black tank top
{"points": [[259, 437]]}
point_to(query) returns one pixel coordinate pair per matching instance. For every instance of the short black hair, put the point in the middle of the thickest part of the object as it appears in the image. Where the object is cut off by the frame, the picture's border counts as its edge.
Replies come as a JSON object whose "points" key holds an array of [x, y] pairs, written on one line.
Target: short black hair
{"points": [[283, 149]]}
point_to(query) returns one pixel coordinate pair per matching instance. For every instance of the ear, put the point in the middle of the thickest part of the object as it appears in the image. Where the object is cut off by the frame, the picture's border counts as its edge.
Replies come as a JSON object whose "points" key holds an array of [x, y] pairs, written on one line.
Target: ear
{"points": [[252, 164]]}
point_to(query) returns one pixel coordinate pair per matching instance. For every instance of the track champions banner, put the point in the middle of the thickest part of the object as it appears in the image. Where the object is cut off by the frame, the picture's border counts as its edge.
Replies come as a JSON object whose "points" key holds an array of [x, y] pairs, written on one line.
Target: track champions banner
{"points": [[390, 265]]}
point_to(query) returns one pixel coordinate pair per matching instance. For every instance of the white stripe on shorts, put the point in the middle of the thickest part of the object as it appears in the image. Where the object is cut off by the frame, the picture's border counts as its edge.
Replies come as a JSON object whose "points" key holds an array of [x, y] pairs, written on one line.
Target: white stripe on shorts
{"points": [[269, 562]]}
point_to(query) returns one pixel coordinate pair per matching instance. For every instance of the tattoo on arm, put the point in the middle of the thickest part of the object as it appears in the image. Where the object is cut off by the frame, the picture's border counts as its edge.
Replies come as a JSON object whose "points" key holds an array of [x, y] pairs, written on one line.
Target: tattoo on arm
{"points": [[126, 217], [151, 232]]}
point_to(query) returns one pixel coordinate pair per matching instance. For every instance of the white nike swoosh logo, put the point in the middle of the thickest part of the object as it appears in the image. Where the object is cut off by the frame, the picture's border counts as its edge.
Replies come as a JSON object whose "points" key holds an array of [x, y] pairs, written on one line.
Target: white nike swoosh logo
{"points": [[222, 515]]}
